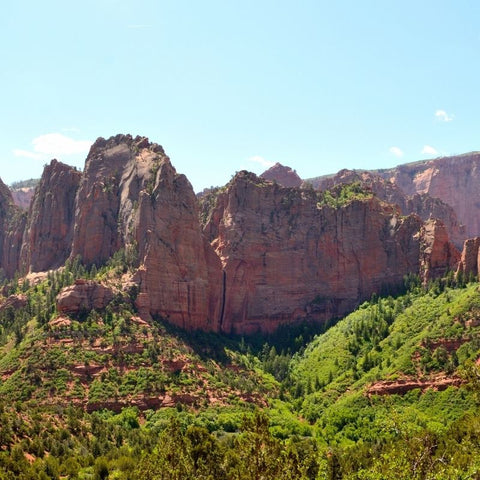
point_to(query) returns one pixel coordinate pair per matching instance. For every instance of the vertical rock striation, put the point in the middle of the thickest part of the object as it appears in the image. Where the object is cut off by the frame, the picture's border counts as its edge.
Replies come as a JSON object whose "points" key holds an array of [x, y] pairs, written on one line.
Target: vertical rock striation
{"points": [[287, 258], [12, 225], [47, 240], [267, 255], [180, 274]]}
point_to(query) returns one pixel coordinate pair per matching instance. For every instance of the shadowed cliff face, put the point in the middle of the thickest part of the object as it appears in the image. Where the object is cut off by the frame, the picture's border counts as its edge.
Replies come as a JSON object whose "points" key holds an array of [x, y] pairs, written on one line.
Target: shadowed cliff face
{"points": [[12, 225], [47, 239], [286, 258], [267, 255]]}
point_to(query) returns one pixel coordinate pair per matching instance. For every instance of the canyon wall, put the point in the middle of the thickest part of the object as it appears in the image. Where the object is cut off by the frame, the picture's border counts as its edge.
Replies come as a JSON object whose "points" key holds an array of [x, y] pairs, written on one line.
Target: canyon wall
{"points": [[47, 239], [259, 255], [453, 179], [286, 258]]}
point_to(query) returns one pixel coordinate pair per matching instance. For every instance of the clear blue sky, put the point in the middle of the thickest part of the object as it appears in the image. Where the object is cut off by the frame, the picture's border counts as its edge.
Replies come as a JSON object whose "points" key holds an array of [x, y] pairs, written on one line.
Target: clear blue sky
{"points": [[227, 85]]}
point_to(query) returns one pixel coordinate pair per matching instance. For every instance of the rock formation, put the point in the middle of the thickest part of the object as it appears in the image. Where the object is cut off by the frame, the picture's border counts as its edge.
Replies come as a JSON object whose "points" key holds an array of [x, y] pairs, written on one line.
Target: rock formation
{"points": [[12, 224], [437, 253], [180, 275], [261, 255], [453, 179], [14, 302], [284, 176], [422, 204], [22, 197], [469, 264], [288, 258], [83, 296], [116, 170], [47, 239]]}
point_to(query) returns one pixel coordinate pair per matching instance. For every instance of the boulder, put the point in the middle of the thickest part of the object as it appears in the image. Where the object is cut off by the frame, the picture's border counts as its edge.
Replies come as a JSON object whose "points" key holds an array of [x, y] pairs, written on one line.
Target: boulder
{"points": [[83, 296]]}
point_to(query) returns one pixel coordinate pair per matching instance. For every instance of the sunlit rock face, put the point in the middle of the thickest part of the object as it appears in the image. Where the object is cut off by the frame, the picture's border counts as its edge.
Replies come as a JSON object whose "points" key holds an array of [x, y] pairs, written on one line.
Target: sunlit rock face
{"points": [[287, 258]]}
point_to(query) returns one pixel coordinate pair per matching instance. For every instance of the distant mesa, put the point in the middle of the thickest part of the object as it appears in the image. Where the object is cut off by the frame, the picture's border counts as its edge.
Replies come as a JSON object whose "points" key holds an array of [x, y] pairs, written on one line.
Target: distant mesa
{"points": [[283, 175]]}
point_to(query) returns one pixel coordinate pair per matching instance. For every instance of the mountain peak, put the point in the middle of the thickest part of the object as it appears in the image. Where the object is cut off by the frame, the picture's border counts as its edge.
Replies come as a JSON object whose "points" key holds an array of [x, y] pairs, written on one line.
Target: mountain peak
{"points": [[283, 175]]}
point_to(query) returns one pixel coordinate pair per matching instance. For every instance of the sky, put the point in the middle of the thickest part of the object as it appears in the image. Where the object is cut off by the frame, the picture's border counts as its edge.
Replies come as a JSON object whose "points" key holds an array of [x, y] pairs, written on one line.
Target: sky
{"points": [[230, 85]]}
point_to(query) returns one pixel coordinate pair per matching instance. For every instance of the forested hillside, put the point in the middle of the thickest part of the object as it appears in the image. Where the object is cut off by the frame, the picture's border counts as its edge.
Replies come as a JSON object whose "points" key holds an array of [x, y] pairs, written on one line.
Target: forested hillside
{"points": [[391, 388]]}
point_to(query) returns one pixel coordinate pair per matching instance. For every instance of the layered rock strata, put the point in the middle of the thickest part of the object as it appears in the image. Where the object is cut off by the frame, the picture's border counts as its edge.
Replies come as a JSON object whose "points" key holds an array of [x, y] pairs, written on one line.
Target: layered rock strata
{"points": [[84, 296]]}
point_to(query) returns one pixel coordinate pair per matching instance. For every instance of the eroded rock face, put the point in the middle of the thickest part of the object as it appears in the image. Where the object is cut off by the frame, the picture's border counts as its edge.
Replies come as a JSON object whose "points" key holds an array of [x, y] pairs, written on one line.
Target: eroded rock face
{"points": [[180, 276], [422, 204], [83, 296], [12, 225], [401, 386], [14, 302], [437, 253], [47, 240], [286, 259], [22, 197], [283, 175], [267, 255], [470, 259], [116, 170], [454, 180]]}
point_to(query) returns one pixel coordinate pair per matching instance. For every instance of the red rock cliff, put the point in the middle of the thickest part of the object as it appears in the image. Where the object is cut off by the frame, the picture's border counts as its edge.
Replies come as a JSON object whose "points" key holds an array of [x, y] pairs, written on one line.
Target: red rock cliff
{"points": [[12, 225], [286, 258], [454, 180], [180, 274], [268, 255], [285, 176], [47, 240], [422, 204]]}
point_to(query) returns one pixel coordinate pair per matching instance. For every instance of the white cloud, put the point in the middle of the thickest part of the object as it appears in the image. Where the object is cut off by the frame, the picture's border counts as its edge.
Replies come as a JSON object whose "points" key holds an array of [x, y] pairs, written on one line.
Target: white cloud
{"points": [[428, 150], [25, 153], [54, 145], [58, 144], [443, 116], [260, 160], [396, 151]]}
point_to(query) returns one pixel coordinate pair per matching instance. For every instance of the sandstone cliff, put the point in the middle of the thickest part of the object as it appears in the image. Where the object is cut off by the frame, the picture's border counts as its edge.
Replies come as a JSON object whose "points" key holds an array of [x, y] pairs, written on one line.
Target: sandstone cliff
{"points": [[258, 256], [22, 197], [116, 170], [287, 258], [422, 204], [180, 275], [469, 264], [12, 224], [453, 179], [47, 239], [284, 176]]}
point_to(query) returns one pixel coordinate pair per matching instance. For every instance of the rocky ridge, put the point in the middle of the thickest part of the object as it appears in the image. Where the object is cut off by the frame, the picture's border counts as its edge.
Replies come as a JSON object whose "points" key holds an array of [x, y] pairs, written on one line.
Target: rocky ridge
{"points": [[453, 179], [420, 203], [264, 255]]}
